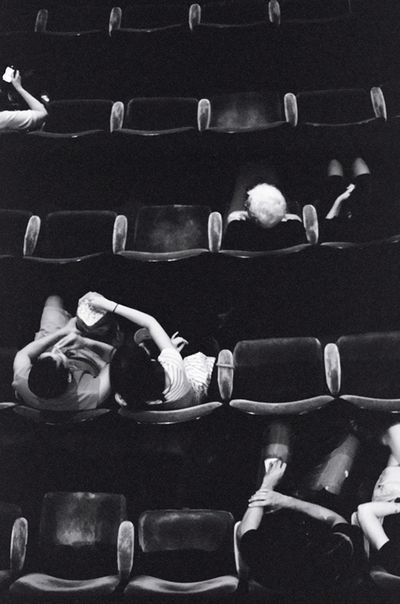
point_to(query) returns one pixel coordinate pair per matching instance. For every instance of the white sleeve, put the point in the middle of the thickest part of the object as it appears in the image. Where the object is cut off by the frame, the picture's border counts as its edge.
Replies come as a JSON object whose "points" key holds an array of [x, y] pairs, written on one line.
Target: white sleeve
{"points": [[20, 120], [173, 365]]}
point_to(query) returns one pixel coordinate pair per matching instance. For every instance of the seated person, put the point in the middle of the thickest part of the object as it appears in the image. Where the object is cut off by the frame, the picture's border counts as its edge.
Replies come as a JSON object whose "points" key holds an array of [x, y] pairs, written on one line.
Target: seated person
{"points": [[168, 382], [61, 370], [353, 213], [379, 518], [26, 119], [260, 217], [290, 545]]}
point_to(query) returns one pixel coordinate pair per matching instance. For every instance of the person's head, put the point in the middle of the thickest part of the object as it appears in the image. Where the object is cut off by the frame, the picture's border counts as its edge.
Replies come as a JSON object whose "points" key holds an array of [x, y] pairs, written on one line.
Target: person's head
{"points": [[49, 375], [137, 379], [265, 205]]}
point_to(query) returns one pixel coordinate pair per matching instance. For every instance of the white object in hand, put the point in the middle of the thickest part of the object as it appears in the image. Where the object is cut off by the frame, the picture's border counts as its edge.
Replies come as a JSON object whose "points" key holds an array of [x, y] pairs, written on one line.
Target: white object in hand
{"points": [[87, 313], [8, 74]]}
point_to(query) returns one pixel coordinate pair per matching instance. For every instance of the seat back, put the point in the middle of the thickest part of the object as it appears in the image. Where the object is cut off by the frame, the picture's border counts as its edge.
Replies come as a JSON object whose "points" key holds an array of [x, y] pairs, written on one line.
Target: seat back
{"points": [[161, 114], [186, 545], [278, 369], [81, 115], [314, 10], [171, 228], [13, 224], [79, 532], [78, 233], [335, 107], [234, 13], [77, 19], [369, 364], [246, 111], [150, 16]]}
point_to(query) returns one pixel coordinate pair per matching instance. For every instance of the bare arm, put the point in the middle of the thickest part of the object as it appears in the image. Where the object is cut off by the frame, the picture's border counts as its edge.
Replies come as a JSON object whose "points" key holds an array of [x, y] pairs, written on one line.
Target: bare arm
{"points": [[34, 349], [30, 100], [337, 204], [157, 333], [369, 515], [74, 340], [273, 500]]}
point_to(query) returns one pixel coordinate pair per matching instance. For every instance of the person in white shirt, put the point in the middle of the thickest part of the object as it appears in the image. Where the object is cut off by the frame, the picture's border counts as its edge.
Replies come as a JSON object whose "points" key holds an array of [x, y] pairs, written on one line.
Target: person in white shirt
{"points": [[25, 119], [168, 382]]}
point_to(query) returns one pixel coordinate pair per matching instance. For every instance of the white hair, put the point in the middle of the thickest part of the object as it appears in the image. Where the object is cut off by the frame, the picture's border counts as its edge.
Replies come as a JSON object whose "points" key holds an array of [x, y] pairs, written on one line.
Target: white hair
{"points": [[266, 205]]}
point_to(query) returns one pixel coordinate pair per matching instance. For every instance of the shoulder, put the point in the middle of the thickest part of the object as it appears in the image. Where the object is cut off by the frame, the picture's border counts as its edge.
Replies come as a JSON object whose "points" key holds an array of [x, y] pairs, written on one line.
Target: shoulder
{"points": [[19, 119], [237, 215]]}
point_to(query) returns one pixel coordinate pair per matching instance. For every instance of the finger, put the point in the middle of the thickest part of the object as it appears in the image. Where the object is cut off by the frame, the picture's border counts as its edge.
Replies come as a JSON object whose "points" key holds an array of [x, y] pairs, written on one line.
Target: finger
{"points": [[174, 335]]}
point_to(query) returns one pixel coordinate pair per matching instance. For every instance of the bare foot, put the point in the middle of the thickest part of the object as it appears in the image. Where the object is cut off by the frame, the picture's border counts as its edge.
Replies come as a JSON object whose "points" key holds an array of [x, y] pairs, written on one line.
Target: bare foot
{"points": [[274, 470]]}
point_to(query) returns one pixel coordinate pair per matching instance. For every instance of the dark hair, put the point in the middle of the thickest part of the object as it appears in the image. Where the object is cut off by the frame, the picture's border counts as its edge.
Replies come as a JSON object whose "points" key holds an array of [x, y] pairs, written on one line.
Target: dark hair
{"points": [[136, 377], [47, 378]]}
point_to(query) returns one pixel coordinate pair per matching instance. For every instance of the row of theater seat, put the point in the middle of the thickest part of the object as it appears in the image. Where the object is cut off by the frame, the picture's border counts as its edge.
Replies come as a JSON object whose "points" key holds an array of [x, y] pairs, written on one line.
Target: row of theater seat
{"points": [[88, 19], [157, 233], [154, 49], [94, 560], [230, 113], [280, 376]]}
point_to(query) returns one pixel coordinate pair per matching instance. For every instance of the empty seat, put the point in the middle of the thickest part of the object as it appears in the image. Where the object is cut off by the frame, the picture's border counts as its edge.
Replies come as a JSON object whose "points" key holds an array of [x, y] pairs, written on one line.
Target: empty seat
{"points": [[171, 232], [344, 107], [247, 111], [156, 116], [73, 21], [139, 17], [278, 376], [184, 555], [369, 370], [72, 118], [72, 235], [310, 11], [86, 549], [19, 232], [239, 14]]}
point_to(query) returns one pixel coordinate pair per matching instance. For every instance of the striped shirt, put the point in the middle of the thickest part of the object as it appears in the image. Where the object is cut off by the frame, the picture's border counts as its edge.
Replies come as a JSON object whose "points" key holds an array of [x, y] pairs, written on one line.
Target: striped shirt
{"points": [[25, 119], [187, 380]]}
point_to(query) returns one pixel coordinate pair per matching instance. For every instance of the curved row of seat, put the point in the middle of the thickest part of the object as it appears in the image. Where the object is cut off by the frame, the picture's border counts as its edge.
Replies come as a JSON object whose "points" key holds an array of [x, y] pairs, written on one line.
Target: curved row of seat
{"points": [[154, 234], [280, 377]]}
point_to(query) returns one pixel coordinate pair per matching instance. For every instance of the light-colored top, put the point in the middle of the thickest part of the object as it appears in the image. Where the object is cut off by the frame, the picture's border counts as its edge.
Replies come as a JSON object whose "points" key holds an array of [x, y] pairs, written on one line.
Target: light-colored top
{"points": [[187, 380], [387, 487], [27, 119], [82, 392]]}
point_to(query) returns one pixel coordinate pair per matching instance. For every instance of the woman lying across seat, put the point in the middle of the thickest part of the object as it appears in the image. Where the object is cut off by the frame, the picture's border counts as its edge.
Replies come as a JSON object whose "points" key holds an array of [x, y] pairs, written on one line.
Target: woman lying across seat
{"points": [[166, 382], [379, 518]]}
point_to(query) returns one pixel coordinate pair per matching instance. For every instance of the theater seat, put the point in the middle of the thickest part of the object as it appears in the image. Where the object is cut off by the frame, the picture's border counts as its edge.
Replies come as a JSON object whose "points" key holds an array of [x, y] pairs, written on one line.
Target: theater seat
{"points": [[77, 234], [332, 108], [369, 370], [160, 116], [246, 111], [57, 418], [278, 376], [68, 21], [86, 549], [19, 232], [172, 232], [314, 11], [184, 555], [81, 117]]}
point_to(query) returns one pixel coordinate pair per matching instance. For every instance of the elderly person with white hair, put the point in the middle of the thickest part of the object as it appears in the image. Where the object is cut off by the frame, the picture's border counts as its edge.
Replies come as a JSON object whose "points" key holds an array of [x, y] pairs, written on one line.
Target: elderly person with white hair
{"points": [[260, 217]]}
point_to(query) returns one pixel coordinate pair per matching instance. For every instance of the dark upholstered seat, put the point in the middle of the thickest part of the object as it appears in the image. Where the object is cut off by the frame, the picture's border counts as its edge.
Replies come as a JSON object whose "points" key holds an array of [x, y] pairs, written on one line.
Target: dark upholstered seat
{"points": [[184, 554]]}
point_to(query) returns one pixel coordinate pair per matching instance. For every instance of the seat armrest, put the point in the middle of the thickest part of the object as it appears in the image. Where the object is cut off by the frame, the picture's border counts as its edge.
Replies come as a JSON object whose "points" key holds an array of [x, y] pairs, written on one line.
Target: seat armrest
{"points": [[194, 16], [120, 233], [225, 374], [115, 19], [378, 102], [311, 225], [333, 373], [214, 231], [19, 540], [117, 116], [203, 114], [242, 569], [125, 550], [41, 20], [31, 235], [274, 12], [291, 109]]}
